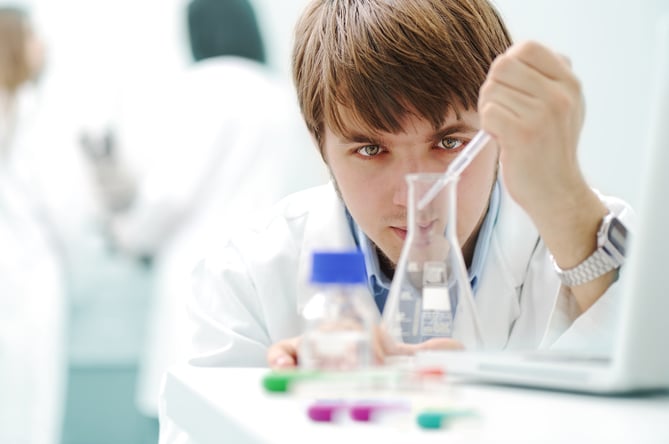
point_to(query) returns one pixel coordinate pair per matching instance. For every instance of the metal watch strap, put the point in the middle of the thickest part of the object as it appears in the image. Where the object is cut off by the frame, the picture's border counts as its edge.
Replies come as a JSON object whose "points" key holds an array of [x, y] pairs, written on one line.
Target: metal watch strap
{"points": [[609, 255], [596, 265]]}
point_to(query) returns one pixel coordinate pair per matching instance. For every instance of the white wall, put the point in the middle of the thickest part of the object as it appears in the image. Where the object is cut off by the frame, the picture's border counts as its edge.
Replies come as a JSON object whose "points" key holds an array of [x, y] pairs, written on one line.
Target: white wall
{"points": [[612, 48], [277, 19], [100, 46]]}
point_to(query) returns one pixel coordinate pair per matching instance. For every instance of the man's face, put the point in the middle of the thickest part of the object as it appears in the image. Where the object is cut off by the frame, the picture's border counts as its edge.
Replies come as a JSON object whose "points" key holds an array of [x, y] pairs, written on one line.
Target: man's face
{"points": [[370, 170]]}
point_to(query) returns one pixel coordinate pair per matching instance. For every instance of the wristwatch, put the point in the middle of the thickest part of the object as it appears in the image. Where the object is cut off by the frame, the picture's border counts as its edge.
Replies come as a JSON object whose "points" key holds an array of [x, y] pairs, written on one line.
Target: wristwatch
{"points": [[609, 255]]}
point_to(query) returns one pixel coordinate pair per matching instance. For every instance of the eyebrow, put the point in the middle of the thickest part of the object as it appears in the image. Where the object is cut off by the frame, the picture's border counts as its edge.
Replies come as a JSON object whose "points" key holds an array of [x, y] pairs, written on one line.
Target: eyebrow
{"points": [[457, 127], [359, 138]]}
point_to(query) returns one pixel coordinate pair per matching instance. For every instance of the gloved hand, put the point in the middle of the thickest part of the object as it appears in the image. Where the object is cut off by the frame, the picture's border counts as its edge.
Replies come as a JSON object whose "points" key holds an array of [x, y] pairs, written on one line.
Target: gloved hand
{"points": [[114, 183]]}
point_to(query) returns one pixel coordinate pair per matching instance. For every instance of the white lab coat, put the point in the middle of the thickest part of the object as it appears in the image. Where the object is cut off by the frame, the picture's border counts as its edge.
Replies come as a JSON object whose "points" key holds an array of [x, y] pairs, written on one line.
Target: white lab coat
{"points": [[231, 143], [32, 322], [251, 295], [33, 362]]}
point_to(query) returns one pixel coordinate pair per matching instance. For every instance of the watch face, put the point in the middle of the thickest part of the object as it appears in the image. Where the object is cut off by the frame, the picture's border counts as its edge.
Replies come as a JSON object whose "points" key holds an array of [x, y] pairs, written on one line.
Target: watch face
{"points": [[618, 235]]}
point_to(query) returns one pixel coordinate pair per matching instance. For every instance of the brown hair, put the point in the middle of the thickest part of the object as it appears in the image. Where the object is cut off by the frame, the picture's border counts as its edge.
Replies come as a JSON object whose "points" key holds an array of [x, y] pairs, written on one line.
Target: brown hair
{"points": [[14, 31], [380, 60]]}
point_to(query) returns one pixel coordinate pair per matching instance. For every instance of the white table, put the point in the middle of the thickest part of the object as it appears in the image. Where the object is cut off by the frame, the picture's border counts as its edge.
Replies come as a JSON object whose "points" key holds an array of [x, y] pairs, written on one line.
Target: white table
{"points": [[229, 405]]}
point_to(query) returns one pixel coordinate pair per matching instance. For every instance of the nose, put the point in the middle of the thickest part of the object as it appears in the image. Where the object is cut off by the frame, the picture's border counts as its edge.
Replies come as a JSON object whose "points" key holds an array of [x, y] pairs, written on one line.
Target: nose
{"points": [[401, 193], [408, 166]]}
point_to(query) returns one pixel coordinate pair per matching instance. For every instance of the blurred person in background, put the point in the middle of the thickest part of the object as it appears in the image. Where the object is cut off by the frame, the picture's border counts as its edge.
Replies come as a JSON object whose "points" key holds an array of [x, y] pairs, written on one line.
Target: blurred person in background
{"points": [[21, 63], [32, 297], [232, 142]]}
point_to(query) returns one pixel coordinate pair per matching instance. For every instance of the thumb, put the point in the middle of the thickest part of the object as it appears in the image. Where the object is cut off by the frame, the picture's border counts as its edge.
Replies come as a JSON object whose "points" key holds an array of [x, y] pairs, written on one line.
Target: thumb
{"points": [[430, 344], [440, 344]]}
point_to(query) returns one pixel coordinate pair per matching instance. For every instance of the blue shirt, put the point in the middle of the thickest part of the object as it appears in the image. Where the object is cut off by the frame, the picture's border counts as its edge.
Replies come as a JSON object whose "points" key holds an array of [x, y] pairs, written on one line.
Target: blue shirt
{"points": [[379, 283]]}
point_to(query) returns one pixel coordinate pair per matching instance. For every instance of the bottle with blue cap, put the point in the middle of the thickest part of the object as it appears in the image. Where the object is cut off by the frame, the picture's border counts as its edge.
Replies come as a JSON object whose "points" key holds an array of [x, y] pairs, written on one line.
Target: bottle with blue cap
{"points": [[340, 317]]}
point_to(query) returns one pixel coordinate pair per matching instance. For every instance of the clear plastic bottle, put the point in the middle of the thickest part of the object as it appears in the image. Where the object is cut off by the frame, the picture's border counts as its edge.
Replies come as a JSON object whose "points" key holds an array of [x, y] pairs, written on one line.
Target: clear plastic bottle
{"points": [[340, 317]]}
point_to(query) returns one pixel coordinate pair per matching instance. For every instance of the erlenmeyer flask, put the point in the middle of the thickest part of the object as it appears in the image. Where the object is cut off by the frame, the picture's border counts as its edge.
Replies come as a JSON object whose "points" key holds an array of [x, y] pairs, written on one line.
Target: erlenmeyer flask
{"points": [[431, 289]]}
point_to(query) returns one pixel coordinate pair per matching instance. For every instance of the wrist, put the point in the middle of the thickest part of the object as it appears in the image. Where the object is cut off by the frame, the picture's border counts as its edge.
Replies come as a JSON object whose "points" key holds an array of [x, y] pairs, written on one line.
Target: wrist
{"points": [[569, 225], [608, 256]]}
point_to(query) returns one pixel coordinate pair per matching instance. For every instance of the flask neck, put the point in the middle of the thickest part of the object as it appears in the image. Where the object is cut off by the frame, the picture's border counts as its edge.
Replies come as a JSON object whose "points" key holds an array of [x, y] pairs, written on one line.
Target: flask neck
{"points": [[431, 219]]}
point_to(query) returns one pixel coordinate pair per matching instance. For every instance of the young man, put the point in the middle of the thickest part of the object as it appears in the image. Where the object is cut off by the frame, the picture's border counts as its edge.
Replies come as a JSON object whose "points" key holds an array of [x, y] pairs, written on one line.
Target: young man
{"points": [[388, 88]]}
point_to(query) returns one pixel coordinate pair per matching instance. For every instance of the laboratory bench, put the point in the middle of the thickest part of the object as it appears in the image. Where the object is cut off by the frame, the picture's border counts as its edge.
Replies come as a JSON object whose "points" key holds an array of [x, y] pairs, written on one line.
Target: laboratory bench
{"points": [[231, 405]]}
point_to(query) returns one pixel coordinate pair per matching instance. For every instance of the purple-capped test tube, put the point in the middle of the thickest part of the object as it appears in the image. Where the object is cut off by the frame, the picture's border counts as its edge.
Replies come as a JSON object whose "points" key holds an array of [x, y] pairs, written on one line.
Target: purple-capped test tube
{"points": [[365, 411], [325, 410]]}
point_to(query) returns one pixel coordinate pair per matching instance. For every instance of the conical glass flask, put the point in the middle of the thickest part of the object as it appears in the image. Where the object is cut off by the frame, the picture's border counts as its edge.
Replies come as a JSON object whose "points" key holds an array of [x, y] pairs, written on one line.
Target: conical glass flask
{"points": [[430, 295]]}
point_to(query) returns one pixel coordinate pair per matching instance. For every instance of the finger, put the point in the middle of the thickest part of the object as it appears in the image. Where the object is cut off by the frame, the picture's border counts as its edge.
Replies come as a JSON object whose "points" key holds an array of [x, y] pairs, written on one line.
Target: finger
{"points": [[393, 347], [565, 59], [496, 118], [519, 104], [378, 346], [516, 75], [440, 344], [405, 349], [542, 59], [283, 354], [430, 344], [389, 346]]}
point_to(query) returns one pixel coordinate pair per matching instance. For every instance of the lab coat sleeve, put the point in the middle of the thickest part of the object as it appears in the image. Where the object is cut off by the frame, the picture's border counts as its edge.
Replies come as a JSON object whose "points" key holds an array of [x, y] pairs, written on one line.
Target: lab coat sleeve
{"points": [[225, 307], [593, 329], [227, 331], [169, 431]]}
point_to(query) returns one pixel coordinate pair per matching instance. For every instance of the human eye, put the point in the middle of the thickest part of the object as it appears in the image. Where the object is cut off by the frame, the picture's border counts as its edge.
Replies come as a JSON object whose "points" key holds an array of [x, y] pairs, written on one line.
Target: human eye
{"points": [[450, 143], [369, 150]]}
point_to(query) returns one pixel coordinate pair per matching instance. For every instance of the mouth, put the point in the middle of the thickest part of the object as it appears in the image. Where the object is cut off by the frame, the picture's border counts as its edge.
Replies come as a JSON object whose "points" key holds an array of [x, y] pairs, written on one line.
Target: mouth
{"points": [[400, 232], [423, 230]]}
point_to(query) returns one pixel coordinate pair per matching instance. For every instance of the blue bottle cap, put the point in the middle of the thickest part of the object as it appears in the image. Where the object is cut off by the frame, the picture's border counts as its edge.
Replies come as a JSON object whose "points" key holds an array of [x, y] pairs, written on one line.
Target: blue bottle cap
{"points": [[341, 267]]}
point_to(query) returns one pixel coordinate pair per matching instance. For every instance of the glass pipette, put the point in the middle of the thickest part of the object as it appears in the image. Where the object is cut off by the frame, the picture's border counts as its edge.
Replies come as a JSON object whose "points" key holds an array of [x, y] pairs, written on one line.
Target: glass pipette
{"points": [[456, 167]]}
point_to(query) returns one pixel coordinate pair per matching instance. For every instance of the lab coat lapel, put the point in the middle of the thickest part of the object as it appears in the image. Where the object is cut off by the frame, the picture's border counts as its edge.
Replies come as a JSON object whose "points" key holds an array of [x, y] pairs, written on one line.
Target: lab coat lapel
{"points": [[497, 299], [326, 229]]}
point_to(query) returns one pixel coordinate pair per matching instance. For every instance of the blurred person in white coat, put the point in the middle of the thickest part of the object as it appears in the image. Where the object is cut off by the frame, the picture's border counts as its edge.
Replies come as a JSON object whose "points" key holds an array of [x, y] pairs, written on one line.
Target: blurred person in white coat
{"points": [[32, 298], [232, 143], [21, 63]]}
